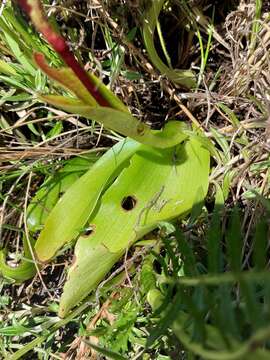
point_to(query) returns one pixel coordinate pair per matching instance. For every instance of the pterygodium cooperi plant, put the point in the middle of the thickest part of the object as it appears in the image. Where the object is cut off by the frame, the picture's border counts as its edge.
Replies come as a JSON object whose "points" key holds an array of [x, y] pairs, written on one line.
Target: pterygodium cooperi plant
{"points": [[149, 177]]}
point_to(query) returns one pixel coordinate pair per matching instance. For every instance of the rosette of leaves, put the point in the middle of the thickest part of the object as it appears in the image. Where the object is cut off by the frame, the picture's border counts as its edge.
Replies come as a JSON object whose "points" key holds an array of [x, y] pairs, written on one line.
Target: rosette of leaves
{"points": [[149, 177]]}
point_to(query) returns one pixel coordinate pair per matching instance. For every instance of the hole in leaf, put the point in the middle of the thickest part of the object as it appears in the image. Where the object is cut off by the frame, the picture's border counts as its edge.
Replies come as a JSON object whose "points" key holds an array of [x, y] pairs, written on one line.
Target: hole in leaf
{"points": [[128, 203], [88, 231]]}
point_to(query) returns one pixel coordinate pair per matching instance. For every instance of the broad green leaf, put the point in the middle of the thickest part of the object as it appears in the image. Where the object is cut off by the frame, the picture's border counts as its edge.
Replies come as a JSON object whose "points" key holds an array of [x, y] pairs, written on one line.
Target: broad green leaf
{"points": [[122, 122], [134, 205], [70, 214], [185, 78], [53, 188]]}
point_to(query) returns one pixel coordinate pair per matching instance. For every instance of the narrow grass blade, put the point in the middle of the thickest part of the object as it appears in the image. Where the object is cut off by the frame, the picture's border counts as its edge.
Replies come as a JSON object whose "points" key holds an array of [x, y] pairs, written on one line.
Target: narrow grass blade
{"points": [[234, 241], [260, 245]]}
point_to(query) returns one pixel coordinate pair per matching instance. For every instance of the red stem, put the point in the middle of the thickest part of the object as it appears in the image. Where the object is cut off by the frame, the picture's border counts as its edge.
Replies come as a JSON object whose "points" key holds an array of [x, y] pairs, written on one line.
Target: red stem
{"points": [[60, 46]]}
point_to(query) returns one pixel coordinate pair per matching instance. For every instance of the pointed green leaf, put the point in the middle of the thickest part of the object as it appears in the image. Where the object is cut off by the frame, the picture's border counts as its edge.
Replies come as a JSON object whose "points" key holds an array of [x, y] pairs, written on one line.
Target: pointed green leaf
{"points": [[260, 245], [234, 241], [185, 78], [132, 206], [122, 122], [6, 69], [68, 217], [65, 77], [50, 192]]}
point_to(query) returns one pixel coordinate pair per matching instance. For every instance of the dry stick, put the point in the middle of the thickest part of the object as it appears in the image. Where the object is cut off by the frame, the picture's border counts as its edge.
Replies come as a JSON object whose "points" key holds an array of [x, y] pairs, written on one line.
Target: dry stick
{"points": [[28, 237]]}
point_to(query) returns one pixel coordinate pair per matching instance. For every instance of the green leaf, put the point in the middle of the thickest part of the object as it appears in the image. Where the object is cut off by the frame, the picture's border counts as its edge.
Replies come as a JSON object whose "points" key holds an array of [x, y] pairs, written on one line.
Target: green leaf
{"points": [[68, 217], [6, 69], [122, 122], [231, 115], [132, 206], [26, 268], [185, 78], [234, 241], [214, 235], [222, 142], [66, 77], [20, 56], [187, 255], [155, 298], [56, 130], [260, 245], [54, 187]]}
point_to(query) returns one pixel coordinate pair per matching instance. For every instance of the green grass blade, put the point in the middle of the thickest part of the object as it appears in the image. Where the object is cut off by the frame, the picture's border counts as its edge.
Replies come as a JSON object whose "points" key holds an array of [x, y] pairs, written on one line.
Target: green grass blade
{"points": [[234, 241], [260, 245]]}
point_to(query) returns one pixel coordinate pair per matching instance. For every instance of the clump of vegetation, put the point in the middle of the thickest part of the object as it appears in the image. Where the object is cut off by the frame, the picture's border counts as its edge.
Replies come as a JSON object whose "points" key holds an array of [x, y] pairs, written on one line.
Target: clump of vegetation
{"points": [[171, 256]]}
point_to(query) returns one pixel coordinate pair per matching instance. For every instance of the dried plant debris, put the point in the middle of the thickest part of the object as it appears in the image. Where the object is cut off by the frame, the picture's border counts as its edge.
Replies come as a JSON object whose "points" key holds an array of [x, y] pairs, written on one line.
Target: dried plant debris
{"points": [[249, 36]]}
